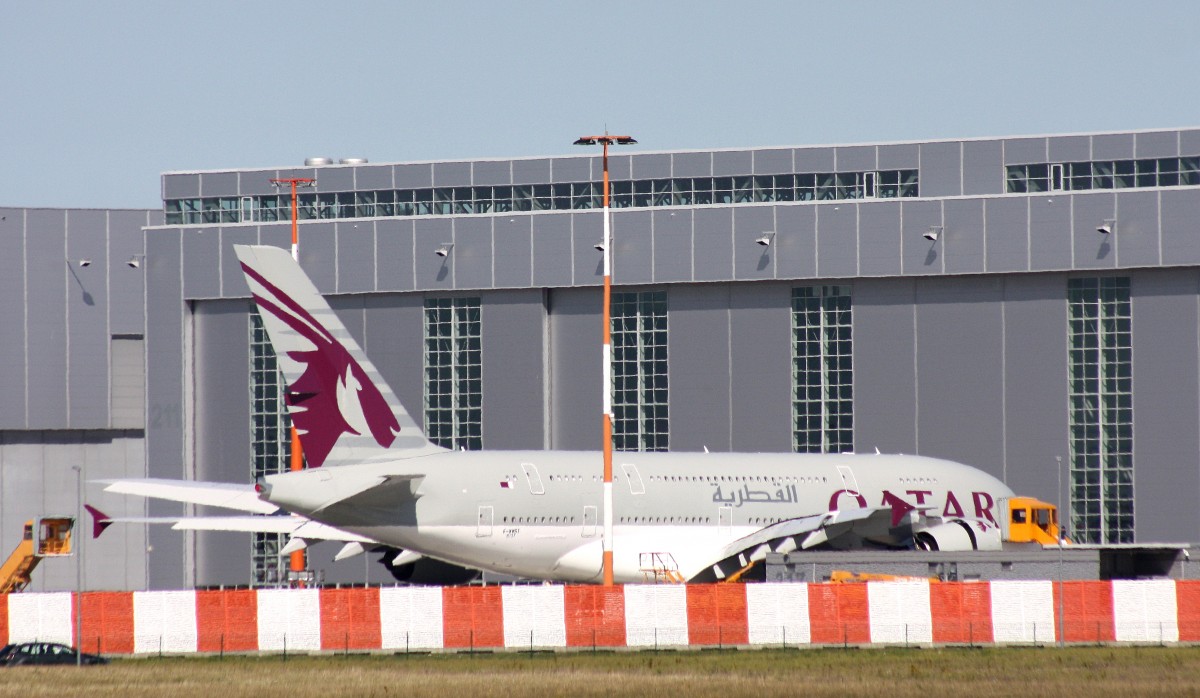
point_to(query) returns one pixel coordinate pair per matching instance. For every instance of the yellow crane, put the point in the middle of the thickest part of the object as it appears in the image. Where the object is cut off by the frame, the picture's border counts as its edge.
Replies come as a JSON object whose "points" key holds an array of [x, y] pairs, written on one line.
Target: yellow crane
{"points": [[48, 536]]}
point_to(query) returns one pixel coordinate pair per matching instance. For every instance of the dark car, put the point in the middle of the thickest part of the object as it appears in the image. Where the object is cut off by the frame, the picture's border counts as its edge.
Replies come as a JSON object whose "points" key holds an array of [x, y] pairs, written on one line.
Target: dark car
{"points": [[44, 653]]}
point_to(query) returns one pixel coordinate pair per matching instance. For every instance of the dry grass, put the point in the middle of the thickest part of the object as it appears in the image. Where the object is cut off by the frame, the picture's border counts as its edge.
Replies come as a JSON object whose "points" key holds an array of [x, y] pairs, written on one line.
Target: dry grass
{"points": [[1091, 672]]}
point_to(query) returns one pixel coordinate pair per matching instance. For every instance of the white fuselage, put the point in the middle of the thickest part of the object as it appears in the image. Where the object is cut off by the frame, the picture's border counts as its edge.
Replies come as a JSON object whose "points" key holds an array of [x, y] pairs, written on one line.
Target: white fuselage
{"points": [[538, 513]]}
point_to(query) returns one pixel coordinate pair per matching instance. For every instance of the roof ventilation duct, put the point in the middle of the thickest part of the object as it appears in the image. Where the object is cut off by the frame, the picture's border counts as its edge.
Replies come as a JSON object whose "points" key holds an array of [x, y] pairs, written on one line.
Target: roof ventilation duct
{"points": [[317, 162], [352, 161]]}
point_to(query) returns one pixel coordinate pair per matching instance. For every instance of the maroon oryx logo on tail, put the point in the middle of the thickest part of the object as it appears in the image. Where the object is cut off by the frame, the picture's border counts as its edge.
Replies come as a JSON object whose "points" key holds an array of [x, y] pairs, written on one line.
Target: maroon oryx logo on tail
{"points": [[333, 396]]}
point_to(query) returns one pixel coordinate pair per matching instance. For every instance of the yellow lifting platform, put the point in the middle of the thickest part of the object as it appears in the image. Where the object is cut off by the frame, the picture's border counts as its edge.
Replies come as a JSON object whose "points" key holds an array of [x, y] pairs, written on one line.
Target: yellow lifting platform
{"points": [[48, 536]]}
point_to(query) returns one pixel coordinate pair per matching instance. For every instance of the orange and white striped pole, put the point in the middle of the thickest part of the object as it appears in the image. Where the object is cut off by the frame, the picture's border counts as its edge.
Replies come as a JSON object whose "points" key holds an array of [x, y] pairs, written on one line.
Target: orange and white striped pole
{"points": [[298, 561], [606, 371]]}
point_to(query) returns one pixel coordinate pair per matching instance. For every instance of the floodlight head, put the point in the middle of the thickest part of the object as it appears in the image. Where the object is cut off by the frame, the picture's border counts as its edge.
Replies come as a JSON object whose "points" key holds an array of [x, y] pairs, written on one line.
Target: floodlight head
{"points": [[933, 233], [134, 262], [586, 140], [85, 262], [766, 238], [599, 246], [444, 250], [1107, 227]]}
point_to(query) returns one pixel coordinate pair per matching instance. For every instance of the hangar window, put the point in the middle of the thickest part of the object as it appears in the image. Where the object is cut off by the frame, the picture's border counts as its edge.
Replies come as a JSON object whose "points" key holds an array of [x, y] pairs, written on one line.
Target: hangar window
{"points": [[1100, 360], [270, 446], [639, 371], [453, 373], [822, 370], [1103, 174]]}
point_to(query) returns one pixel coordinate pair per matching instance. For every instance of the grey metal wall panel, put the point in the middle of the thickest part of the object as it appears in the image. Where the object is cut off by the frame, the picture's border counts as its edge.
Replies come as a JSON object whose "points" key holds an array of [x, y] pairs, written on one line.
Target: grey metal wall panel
{"points": [[125, 283], [412, 176], [233, 282], [127, 362], [473, 252], [657, 166], [552, 250], [751, 260], [837, 240], [879, 238], [514, 251], [514, 375], [318, 255], [277, 235], [587, 263], [575, 370], [452, 174], [294, 173], [202, 262], [1035, 382], [1180, 227], [1007, 221], [491, 172], [373, 177], [1019, 151], [855, 158], [921, 256], [885, 386], [672, 245], [899, 156], [1189, 143], [1137, 229], [335, 179], [180, 186], [960, 371], [795, 241], [692, 164], [259, 183], [394, 255], [699, 381], [1050, 233], [394, 341], [713, 244], [1093, 249], [1165, 405], [12, 318], [941, 169], [963, 236], [1069, 148], [222, 558], [983, 167], [619, 167], [813, 159], [760, 355], [633, 248], [1158, 144], [573, 169], [732, 162], [222, 393], [1114, 146], [87, 325], [219, 184], [433, 271], [530, 171], [355, 256], [349, 310], [165, 317], [773, 161], [56, 277]]}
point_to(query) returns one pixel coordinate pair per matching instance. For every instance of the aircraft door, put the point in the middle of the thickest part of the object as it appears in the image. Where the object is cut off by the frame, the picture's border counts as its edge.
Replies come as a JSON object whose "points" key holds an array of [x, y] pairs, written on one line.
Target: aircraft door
{"points": [[483, 528], [849, 483], [589, 521], [634, 478], [725, 521], [534, 478]]}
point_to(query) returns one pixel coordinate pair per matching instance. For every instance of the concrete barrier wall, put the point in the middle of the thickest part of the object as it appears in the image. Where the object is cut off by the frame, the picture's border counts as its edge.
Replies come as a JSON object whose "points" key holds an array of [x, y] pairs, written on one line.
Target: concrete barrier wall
{"points": [[421, 619]]}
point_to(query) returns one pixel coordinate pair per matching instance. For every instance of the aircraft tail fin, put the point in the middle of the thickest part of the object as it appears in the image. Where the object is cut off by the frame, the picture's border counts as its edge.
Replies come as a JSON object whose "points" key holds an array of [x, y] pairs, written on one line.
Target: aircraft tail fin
{"points": [[342, 408]]}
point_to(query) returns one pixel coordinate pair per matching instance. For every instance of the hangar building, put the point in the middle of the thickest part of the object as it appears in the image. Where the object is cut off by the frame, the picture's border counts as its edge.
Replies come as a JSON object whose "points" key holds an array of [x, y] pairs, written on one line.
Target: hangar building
{"points": [[1002, 302]]}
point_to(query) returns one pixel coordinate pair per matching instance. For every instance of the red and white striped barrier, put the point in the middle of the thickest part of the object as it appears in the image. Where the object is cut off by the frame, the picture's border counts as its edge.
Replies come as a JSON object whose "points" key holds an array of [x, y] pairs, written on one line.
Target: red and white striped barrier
{"points": [[551, 617]]}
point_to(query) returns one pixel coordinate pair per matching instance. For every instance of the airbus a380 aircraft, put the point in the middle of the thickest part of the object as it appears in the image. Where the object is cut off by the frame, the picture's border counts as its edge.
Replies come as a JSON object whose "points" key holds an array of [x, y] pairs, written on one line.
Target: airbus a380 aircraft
{"points": [[375, 480]]}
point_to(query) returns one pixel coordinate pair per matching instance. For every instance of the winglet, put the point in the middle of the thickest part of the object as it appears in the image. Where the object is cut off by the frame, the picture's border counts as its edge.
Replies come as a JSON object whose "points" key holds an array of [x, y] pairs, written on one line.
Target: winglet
{"points": [[100, 520]]}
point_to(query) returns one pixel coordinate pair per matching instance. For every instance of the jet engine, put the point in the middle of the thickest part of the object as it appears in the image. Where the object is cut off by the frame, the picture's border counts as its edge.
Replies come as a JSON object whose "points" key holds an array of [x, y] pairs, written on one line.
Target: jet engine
{"points": [[426, 571], [958, 535]]}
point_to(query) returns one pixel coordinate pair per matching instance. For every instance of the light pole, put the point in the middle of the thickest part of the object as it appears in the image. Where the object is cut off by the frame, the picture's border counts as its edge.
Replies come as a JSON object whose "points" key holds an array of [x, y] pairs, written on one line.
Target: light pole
{"points": [[607, 418], [78, 540], [1061, 640]]}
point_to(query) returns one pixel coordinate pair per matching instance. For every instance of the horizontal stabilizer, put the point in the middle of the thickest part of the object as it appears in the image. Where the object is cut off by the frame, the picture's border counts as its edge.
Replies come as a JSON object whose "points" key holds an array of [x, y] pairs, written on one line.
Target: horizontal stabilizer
{"points": [[294, 525], [100, 520], [212, 494]]}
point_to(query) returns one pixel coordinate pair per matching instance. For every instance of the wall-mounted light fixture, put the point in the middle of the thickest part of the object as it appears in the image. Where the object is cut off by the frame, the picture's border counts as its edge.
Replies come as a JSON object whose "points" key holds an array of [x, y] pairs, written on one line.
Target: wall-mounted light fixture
{"points": [[1108, 227], [599, 246], [85, 262], [444, 250], [934, 232], [135, 261], [766, 238]]}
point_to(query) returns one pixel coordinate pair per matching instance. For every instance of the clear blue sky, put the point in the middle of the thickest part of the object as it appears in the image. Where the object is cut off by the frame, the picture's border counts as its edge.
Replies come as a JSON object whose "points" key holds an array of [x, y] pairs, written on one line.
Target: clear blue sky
{"points": [[100, 98]]}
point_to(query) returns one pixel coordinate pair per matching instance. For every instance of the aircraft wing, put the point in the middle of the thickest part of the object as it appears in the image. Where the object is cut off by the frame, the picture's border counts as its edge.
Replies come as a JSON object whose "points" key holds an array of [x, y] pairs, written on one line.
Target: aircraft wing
{"points": [[213, 494], [835, 527]]}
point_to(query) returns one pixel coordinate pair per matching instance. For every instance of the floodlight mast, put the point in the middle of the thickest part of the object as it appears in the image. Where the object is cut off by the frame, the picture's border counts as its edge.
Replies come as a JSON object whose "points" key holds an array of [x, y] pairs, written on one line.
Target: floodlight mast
{"points": [[607, 418], [298, 560]]}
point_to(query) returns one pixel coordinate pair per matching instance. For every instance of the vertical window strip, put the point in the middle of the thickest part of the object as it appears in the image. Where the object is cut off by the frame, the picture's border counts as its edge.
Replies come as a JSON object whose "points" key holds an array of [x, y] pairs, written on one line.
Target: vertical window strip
{"points": [[639, 371], [822, 370], [1101, 410], [270, 446], [453, 373]]}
